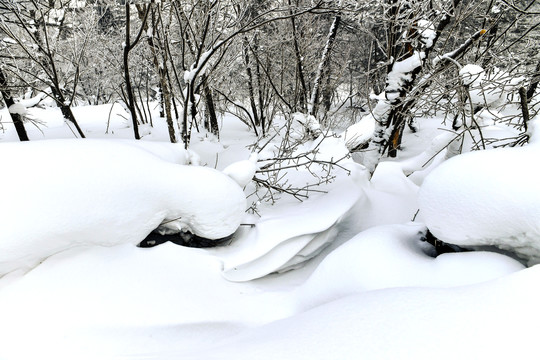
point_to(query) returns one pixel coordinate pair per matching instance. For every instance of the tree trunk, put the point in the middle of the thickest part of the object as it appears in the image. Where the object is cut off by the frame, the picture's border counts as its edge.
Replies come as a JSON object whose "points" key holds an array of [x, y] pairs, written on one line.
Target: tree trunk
{"points": [[162, 71], [299, 67], [250, 83], [324, 67], [8, 100], [127, 78], [534, 82], [255, 50], [211, 110]]}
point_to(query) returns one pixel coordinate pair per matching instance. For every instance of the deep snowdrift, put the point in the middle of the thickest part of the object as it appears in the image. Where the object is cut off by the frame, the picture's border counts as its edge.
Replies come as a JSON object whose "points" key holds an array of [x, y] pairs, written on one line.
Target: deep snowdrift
{"points": [[486, 197], [65, 193], [357, 297]]}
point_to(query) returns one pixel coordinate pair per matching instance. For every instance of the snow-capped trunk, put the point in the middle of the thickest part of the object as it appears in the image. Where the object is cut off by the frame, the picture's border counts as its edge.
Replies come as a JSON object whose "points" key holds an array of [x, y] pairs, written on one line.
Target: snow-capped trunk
{"points": [[16, 117], [391, 112]]}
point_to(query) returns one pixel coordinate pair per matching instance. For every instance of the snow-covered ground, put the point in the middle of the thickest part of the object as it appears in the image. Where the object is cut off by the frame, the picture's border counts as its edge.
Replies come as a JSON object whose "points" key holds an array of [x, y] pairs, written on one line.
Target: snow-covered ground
{"points": [[344, 274]]}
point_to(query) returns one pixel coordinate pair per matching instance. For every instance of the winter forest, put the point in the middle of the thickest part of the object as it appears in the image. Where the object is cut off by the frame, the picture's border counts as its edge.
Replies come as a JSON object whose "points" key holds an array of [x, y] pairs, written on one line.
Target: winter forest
{"points": [[270, 179]]}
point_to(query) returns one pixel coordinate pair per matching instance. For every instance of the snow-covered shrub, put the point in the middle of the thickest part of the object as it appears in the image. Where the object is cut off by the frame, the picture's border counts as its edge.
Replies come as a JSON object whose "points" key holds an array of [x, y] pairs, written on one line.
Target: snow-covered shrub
{"points": [[292, 162], [488, 89]]}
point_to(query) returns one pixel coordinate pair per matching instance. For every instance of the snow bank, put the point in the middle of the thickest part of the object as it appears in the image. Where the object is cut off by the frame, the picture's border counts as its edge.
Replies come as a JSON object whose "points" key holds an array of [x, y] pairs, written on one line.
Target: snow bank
{"points": [[126, 302], [394, 256], [64, 193], [496, 320], [486, 198]]}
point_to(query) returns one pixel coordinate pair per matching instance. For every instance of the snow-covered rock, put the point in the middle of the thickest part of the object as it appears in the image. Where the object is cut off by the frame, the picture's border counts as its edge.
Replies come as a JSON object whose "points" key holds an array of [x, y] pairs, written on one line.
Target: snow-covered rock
{"points": [[486, 198], [59, 194], [472, 74]]}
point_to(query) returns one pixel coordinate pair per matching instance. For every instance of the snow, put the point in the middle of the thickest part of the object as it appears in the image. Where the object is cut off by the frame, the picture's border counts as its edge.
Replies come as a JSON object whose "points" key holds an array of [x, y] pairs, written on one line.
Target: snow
{"points": [[401, 73], [491, 89], [472, 74], [493, 320], [427, 32], [242, 171], [360, 133], [342, 274], [490, 185], [18, 108], [105, 192], [283, 239], [394, 256]]}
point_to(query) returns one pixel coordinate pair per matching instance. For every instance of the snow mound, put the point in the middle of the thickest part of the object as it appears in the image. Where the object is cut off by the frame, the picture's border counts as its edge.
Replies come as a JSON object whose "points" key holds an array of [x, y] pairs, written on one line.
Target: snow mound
{"points": [[358, 135], [402, 323], [394, 256], [18, 108], [124, 302], [64, 193], [242, 171], [472, 74], [486, 198]]}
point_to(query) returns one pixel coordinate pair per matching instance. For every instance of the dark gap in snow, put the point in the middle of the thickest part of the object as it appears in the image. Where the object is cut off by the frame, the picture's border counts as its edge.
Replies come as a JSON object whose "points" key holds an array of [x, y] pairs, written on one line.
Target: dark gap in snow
{"points": [[183, 238], [439, 246]]}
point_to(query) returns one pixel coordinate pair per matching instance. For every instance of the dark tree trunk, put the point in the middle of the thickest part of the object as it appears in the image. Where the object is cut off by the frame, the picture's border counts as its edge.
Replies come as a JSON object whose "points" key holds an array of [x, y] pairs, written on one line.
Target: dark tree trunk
{"points": [[534, 82], [250, 83], [211, 110], [299, 67], [8, 100], [128, 46], [127, 77]]}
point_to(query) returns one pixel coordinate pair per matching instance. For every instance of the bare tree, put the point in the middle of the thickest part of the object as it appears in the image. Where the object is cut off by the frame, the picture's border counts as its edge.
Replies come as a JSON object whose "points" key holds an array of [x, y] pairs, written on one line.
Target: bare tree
{"points": [[36, 29], [129, 45]]}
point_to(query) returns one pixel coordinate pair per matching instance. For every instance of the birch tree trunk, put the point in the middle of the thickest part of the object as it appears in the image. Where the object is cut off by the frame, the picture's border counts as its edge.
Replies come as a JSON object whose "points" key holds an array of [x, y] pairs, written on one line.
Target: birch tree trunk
{"points": [[324, 68]]}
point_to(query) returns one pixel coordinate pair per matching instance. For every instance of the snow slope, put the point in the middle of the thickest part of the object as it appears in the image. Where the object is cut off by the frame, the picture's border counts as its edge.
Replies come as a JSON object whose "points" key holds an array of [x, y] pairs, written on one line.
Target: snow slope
{"points": [[362, 283], [495, 320]]}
